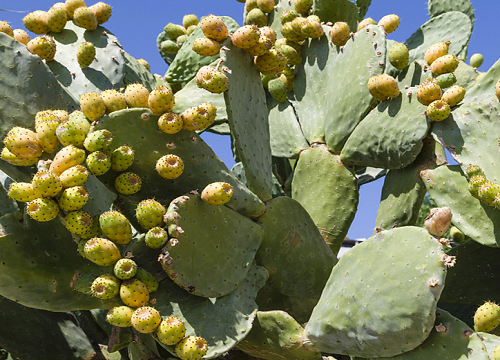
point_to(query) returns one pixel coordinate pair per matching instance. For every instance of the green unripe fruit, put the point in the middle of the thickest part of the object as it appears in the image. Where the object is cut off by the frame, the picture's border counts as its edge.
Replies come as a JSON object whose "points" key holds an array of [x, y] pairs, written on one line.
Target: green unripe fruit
{"points": [[102, 252], [46, 184], [147, 279], [214, 81], [105, 287], [495, 354], [277, 89], [487, 192], [98, 140], [456, 235], [389, 22], [217, 193], [287, 16], [189, 20], [98, 163], [156, 237], [399, 56], [453, 95], [444, 64], [266, 6], [42, 209], [128, 183], [170, 123], [476, 60], [475, 183], [93, 232], [146, 319], [73, 198], [149, 213], [256, 17], [446, 80], [473, 170], [120, 316], [302, 6], [22, 191], [134, 293], [169, 47], [74, 176], [122, 158], [487, 317], [312, 28], [428, 92], [79, 119], [171, 331], [191, 348], [78, 222], [116, 227], [173, 31], [170, 166], [69, 133], [438, 110], [85, 54], [125, 269]]}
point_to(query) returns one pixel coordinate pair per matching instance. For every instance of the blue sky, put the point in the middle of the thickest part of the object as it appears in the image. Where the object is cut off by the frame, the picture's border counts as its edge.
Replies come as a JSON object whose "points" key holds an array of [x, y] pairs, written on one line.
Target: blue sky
{"points": [[138, 23]]}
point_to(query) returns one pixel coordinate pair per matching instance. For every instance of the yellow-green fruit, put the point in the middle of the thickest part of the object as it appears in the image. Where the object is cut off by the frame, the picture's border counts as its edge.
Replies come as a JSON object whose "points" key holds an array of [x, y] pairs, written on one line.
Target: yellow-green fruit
{"points": [[266, 6], [92, 105], [102, 252], [56, 19], [85, 54], [191, 348], [206, 47], [386, 85], [487, 192], [72, 5], [36, 22], [46, 183], [438, 110], [23, 143], [22, 191], [98, 163], [428, 91], [15, 160], [256, 17], [120, 316], [436, 51], [116, 227], [105, 287], [73, 198], [146, 319], [302, 6], [189, 20], [6, 28], [476, 60], [195, 118], [487, 317], [21, 36], [497, 89], [495, 354], [113, 100], [74, 176], [78, 222], [171, 331], [46, 123], [128, 183], [170, 123], [339, 33], [263, 46], [170, 166], [214, 28], [217, 193], [389, 22], [137, 96], [365, 22], [453, 95], [122, 158], [134, 293], [125, 269], [161, 100], [42, 209], [144, 63], [102, 12], [85, 18], [246, 36], [312, 28], [444, 64], [399, 56], [43, 46]]}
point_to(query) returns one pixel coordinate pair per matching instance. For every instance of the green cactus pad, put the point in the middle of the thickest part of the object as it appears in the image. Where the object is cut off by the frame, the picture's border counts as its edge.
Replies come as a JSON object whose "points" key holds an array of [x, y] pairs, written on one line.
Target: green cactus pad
{"points": [[438, 7], [202, 166], [42, 259], [105, 72], [466, 76], [287, 139], [404, 191], [449, 339], [484, 88], [451, 26], [135, 72], [392, 143], [475, 276], [449, 187], [291, 238], [319, 175], [213, 243], [490, 341], [51, 335], [203, 317], [275, 335], [363, 6], [101, 198], [248, 120], [186, 62], [366, 323], [336, 10]]}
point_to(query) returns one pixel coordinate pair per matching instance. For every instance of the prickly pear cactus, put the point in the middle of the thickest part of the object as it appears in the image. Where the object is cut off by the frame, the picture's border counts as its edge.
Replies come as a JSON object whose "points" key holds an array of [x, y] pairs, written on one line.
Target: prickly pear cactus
{"points": [[88, 271]]}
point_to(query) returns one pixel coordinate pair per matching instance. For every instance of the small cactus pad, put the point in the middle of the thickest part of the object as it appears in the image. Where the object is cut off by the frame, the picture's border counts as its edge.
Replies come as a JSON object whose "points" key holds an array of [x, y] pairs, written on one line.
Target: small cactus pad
{"points": [[402, 323], [192, 258]]}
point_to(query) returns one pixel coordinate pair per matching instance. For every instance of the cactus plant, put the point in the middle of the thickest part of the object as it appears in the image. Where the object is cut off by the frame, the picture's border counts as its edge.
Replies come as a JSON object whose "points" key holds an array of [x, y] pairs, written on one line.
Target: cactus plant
{"points": [[256, 276]]}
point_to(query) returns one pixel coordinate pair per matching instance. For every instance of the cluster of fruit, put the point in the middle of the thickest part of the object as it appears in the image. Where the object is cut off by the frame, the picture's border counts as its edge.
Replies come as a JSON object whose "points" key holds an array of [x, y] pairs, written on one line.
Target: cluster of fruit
{"points": [[256, 11], [486, 191], [177, 34]]}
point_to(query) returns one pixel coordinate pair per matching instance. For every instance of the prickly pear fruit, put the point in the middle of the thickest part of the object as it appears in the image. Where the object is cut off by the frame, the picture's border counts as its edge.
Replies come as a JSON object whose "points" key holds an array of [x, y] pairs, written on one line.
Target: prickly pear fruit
{"points": [[399, 56], [92, 106], [120, 316], [195, 118], [487, 317], [21, 36], [23, 143], [256, 17], [36, 22], [105, 287], [217, 193], [72, 5], [495, 354], [288, 15], [44, 46], [264, 44], [272, 61], [383, 86], [136, 96], [22, 191], [125, 269], [214, 28], [102, 252], [156, 237], [444, 64], [56, 19], [102, 12], [46, 124], [246, 36], [171, 331], [373, 89], [73, 198], [389, 22], [312, 28], [94, 231], [170, 166], [85, 54], [277, 89], [475, 183], [46, 183], [78, 222], [66, 158], [266, 6], [6, 28], [134, 293], [436, 51], [487, 192], [113, 100], [174, 31], [339, 33], [446, 80], [456, 235], [116, 227], [214, 81], [206, 47], [453, 95], [146, 319], [98, 163], [69, 133], [149, 213], [428, 91], [147, 279], [128, 183], [191, 348], [189, 20], [42, 209], [74, 176], [79, 119], [85, 18], [476, 60], [439, 221], [365, 22], [302, 6], [169, 47], [473, 170], [98, 140], [497, 89], [161, 100], [122, 158], [15, 160], [438, 110], [170, 123]]}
